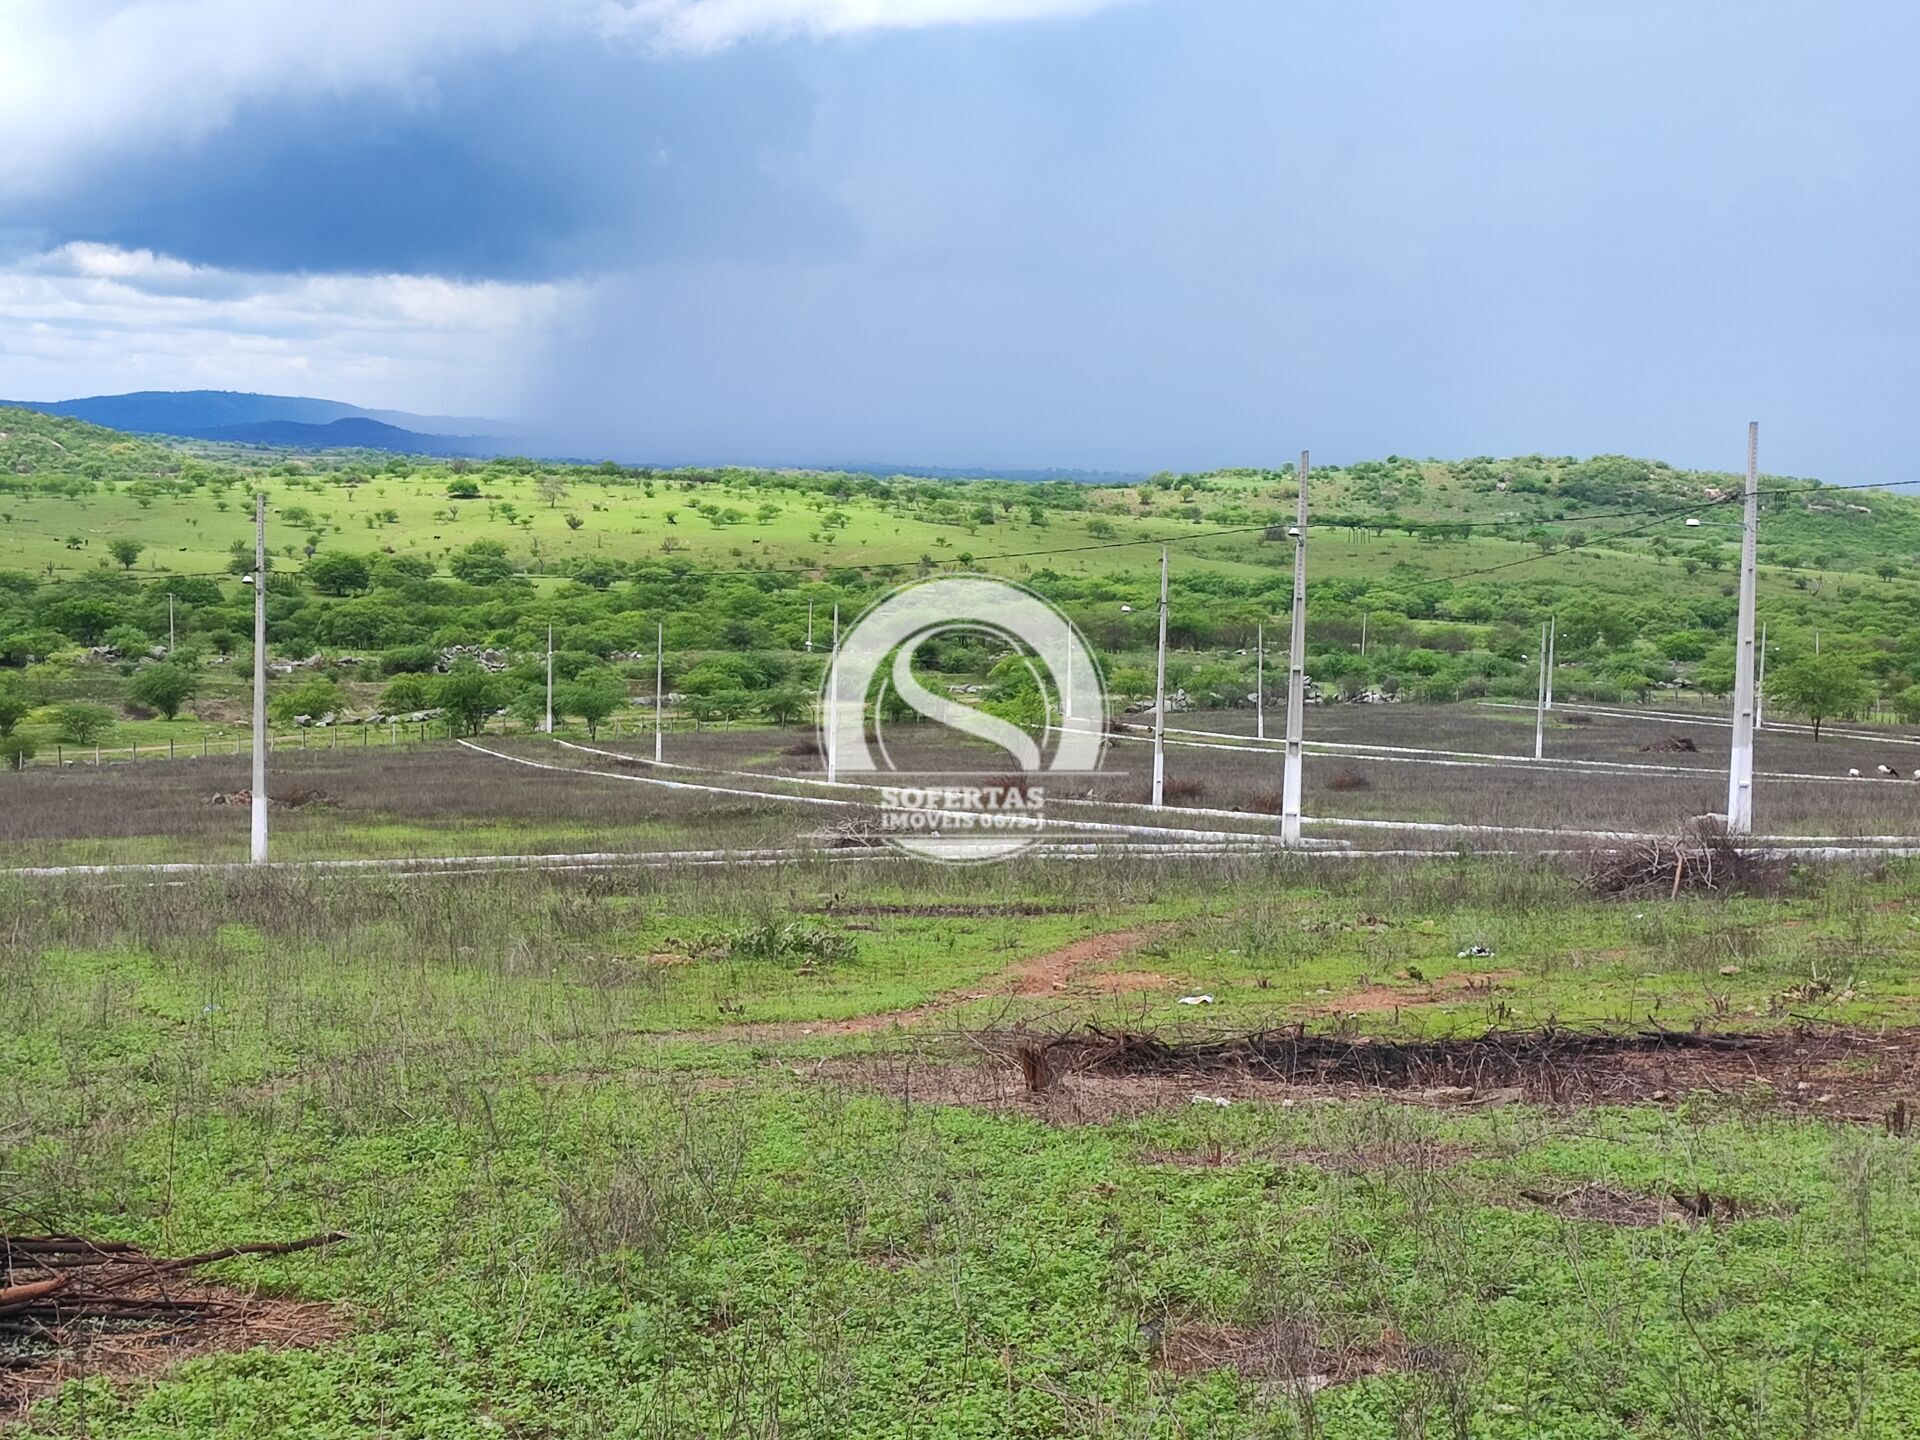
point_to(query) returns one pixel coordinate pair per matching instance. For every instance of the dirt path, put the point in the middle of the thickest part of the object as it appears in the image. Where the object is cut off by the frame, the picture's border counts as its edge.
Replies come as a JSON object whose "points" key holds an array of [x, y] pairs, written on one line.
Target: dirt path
{"points": [[1036, 977]]}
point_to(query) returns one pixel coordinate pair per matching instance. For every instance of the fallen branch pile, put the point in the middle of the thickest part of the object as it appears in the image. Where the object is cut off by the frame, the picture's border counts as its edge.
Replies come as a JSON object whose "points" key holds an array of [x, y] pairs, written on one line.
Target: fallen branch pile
{"points": [[1700, 861], [54, 1280]]}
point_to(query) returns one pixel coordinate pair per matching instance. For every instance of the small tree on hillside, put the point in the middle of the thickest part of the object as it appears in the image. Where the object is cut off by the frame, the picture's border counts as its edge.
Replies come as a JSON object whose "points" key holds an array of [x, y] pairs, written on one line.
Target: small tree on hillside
{"points": [[163, 687], [593, 697], [469, 695], [15, 705], [81, 722], [1821, 687], [126, 551]]}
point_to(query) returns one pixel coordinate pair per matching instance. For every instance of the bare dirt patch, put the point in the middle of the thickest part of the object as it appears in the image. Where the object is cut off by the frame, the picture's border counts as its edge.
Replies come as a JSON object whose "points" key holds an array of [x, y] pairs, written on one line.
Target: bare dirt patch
{"points": [[1375, 999], [1869, 1076], [73, 1308], [1037, 976], [1128, 982]]}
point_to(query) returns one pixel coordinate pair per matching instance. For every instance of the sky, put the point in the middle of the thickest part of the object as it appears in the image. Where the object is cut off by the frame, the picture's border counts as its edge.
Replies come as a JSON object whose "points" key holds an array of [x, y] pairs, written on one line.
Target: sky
{"points": [[1092, 234]]}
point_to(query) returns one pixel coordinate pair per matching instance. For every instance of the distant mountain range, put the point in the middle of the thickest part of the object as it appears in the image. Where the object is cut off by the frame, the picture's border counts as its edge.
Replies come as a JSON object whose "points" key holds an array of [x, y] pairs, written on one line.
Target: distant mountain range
{"points": [[300, 422], [284, 421]]}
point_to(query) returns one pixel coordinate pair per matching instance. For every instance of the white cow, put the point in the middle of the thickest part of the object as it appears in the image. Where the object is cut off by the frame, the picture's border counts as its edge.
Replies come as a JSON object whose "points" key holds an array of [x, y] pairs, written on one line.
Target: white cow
{"points": [[1853, 774]]}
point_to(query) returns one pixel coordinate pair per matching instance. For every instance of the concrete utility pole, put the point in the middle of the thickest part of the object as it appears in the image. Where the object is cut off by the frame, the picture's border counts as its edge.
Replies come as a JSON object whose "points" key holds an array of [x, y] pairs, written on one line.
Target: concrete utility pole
{"points": [[1540, 706], [809, 627], [1365, 615], [259, 851], [1760, 682], [1296, 674], [548, 727], [1260, 683], [1066, 680], [1553, 654], [169, 624], [1160, 695], [1740, 773], [659, 689], [833, 700]]}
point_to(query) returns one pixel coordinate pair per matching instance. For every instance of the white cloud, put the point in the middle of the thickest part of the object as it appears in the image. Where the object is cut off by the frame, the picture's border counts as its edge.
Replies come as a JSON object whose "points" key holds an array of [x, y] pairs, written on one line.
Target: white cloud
{"points": [[85, 79], [713, 24], [86, 319]]}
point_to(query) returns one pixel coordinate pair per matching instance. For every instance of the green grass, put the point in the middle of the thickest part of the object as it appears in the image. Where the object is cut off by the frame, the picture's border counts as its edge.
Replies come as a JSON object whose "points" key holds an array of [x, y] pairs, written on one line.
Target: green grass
{"points": [[571, 1219]]}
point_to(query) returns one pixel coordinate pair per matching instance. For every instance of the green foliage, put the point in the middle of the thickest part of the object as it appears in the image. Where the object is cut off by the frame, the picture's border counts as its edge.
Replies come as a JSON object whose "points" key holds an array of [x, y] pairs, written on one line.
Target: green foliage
{"points": [[1821, 687], [484, 562], [469, 695], [15, 751], [592, 697], [406, 695], [126, 551], [335, 572], [803, 944], [314, 696], [82, 722], [164, 687], [15, 703]]}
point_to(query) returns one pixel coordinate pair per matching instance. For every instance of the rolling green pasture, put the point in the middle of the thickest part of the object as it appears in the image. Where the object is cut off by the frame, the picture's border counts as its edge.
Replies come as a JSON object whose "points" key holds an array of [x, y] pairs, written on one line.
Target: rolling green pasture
{"points": [[614, 1165]]}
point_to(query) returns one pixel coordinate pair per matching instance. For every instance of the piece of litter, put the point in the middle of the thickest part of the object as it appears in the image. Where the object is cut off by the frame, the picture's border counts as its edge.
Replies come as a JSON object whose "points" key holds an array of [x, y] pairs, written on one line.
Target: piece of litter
{"points": [[1196, 999], [1219, 1100]]}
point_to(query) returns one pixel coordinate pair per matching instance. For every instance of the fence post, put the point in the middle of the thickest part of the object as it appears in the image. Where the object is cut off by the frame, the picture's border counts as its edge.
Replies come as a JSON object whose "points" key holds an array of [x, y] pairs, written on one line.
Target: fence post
{"points": [[170, 754], [58, 757], [135, 747]]}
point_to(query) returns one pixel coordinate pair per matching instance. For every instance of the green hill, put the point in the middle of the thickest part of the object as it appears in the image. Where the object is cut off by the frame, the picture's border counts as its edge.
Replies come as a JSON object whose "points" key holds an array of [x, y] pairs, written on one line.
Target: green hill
{"points": [[1449, 566]]}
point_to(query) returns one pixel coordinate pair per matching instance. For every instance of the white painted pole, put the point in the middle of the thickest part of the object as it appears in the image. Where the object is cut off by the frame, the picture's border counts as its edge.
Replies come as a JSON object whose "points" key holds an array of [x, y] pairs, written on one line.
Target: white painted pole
{"points": [[548, 727], [1365, 615], [809, 627], [1260, 683], [1760, 682], [1740, 772], [259, 851], [1296, 675], [833, 700], [1066, 682], [1540, 705], [1160, 696], [1553, 654], [659, 687], [169, 624]]}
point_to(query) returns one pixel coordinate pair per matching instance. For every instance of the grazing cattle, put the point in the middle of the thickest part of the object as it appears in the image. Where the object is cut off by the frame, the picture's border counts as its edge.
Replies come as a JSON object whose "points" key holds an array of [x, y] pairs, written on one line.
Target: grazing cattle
{"points": [[1853, 774], [1886, 770]]}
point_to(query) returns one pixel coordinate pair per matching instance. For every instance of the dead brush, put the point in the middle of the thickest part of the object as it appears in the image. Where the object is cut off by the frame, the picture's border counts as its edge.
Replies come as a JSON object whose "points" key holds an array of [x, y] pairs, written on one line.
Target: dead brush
{"points": [[1700, 862], [1345, 781]]}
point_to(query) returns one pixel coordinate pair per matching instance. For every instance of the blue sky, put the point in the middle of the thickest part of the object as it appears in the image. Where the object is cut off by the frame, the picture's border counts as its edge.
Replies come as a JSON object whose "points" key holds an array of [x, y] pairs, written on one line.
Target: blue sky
{"points": [[1129, 234]]}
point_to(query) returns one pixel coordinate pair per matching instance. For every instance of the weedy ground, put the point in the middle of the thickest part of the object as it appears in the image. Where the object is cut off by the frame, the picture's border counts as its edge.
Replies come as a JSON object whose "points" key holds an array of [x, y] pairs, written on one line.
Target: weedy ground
{"points": [[645, 1154]]}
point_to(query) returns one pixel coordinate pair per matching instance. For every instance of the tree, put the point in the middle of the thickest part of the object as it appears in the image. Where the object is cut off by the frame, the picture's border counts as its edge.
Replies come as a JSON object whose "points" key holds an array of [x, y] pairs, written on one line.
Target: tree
{"points": [[469, 695], [338, 573], [405, 695], [163, 687], [315, 696], [15, 751], [15, 705], [594, 696], [80, 722], [553, 489], [784, 706], [126, 551], [1906, 705], [484, 562], [1820, 687], [463, 489]]}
